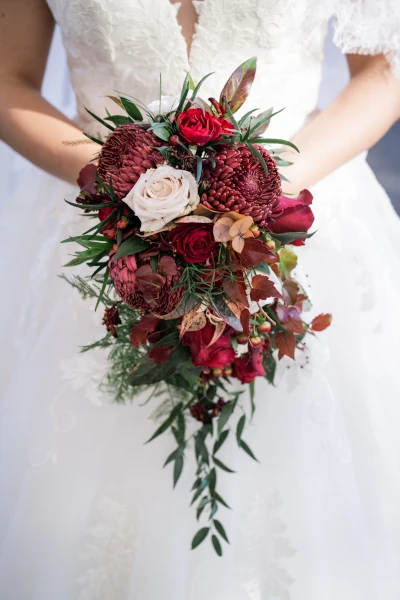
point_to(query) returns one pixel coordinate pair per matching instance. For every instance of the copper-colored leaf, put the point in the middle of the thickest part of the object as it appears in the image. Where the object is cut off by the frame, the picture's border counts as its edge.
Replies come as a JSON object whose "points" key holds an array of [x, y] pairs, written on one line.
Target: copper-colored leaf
{"points": [[221, 229], [254, 252], [241, 226], [238, 244], [203, 211], [238, 86], [192, 321], [290, 290], [148, 282], [286, 343], [167, 266], [245, 321], [262, 288], [321, 322], [185, 305], [236, 289], [219, 330], [116, 100]]}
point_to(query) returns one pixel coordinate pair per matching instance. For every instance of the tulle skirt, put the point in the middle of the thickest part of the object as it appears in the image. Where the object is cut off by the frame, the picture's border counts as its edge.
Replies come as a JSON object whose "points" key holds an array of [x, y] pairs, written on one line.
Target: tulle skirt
{"points": [[86, 510]]}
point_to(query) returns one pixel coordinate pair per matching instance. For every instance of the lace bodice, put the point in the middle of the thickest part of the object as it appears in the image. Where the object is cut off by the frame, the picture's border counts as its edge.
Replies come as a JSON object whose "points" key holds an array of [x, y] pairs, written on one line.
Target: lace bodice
{"points": [[125, 44]]}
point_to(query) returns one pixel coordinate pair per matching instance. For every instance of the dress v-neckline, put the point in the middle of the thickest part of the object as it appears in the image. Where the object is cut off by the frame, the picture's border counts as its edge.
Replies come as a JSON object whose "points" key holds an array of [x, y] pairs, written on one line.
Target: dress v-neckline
{"points": [[175, 7]]}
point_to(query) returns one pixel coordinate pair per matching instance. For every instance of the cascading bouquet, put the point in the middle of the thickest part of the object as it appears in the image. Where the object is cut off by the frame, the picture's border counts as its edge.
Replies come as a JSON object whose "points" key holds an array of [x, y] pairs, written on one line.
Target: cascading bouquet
{"points": [[191, 259]]}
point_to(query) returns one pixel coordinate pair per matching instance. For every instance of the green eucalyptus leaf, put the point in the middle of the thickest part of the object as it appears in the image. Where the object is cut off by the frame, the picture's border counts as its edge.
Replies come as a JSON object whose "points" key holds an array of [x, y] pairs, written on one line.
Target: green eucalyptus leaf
{"points": [[247, 450], [100, 120], [237, 88], [200, 537], [221, 439], [216, 544], [118, 120], [269, 364], [212, 480], [239, 428], [290, 237], [131, 109], [219, 527], [219, 499], [224, 415], [147, 372], [167, 423], [221, 465], [178, 468], [93, 139]]}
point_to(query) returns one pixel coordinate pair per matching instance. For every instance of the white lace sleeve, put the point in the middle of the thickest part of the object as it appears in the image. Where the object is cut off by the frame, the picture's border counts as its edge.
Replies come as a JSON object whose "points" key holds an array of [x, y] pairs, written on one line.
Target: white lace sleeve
{"points": [[369, 27]]}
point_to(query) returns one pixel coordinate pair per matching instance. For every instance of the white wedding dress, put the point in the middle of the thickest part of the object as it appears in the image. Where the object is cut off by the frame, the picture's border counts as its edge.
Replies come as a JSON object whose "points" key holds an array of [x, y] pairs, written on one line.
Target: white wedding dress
{"points": [[86, 511]]}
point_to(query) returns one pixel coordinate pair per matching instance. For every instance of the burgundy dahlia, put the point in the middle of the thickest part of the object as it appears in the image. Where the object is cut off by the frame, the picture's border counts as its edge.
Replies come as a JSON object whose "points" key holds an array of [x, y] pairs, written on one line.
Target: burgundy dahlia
{"points": [[239, 183], [128, 152]]}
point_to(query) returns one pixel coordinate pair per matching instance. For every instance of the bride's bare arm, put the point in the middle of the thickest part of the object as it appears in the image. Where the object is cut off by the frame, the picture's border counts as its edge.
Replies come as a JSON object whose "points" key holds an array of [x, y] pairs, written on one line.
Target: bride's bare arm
{"points": [[28, 123], [354, 122]]}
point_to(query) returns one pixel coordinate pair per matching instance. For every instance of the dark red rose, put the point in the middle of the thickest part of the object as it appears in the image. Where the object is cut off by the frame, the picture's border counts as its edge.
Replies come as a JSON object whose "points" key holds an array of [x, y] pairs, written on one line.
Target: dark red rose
{"points": [[194, 241], [199, 127], [293, 214], [249, 366], [216, 356]]}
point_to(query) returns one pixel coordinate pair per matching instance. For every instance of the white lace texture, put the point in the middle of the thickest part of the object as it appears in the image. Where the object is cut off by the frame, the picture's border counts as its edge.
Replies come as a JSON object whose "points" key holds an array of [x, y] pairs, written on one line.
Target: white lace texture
{"points": [[369, 27]]}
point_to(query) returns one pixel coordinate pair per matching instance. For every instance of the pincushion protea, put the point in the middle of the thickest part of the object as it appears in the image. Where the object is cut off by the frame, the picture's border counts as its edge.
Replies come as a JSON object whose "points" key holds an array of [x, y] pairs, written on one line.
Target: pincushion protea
{"points": [[128, 152], [239, 183]]}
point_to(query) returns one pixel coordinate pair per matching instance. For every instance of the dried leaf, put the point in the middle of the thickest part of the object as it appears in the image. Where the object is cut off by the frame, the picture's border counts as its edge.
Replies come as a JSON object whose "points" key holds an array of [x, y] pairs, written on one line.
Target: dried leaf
{"points": [[262, 288], [290, 290], [321, 322], [203, 211], [245, 321], [185, 305], [167, 266], [221, 229], [219, 330], [116, 100], [238, 86], [241, 226], [286, 343], [254, 252], [229, 313], [236, 289], [238, 244], [192, 321], [194, 219], [148, 283]]}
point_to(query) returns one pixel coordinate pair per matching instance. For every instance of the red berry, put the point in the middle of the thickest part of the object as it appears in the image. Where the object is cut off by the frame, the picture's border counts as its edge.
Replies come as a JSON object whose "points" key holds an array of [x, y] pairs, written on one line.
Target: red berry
{"points": [[174, 140], [217, 372], [255, 340], [242, 339], [270, 244], [264, 327], [115, 248], [110, 234], [228, 371], [122, 223]]}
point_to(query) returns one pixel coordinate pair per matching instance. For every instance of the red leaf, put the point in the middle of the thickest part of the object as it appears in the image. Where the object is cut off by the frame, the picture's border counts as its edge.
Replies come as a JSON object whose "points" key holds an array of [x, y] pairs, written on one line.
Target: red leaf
{"points": [[147, 324], [167, 266], [236, 289], [245, 321], [160, 354], [148, 282], [254, 252], [321, 322], [262, 288], [286, 343]]}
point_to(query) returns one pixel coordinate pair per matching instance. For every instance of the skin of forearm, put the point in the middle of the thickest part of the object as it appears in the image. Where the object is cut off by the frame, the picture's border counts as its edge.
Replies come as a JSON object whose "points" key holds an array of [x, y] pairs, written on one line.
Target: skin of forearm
{"points": [[354, 122], [38, 131]]}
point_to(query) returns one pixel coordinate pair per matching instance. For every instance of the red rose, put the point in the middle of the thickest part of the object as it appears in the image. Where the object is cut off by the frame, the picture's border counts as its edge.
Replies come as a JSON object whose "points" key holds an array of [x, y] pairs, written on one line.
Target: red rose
{"points": [[293, 214], [216, 356], [198, 127], [249, 366], [194, 241]]}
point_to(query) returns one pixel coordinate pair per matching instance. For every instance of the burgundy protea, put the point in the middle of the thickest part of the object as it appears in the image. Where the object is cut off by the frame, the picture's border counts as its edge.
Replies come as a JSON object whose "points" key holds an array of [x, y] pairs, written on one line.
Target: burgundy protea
{"points": [[122, 272], [128, 152], [239, 183], [145, 290]]}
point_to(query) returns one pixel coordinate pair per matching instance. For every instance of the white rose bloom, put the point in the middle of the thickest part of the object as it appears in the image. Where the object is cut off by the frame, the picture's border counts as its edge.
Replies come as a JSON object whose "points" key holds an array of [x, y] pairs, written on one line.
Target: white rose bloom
{"points": [[167, 104], [161, 195]]}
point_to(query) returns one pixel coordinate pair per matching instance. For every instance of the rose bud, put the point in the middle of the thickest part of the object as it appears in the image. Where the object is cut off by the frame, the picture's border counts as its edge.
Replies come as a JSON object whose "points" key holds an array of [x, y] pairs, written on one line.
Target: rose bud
{"points": [[242, 339], [264, 327], [255, 340]]}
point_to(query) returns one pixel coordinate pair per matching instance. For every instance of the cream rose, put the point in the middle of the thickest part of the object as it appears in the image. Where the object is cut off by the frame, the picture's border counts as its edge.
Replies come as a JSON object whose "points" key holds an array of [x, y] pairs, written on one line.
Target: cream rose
{"points": [[161, 195]]}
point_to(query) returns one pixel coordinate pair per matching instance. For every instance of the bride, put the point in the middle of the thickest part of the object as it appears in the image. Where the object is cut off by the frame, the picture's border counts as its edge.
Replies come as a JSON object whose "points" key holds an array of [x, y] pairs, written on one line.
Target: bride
{"points": [[86, 512]]}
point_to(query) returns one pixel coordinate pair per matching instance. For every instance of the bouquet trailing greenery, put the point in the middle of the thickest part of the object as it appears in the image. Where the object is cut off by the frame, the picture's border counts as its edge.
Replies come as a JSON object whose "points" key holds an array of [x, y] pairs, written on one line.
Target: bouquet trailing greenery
{"points": [[192, 257]]}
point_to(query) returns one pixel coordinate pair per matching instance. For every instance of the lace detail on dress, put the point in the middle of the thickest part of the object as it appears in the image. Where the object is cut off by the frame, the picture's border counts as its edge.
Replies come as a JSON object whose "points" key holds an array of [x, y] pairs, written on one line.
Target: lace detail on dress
{"points": [[108, 552], [369, 27]]}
